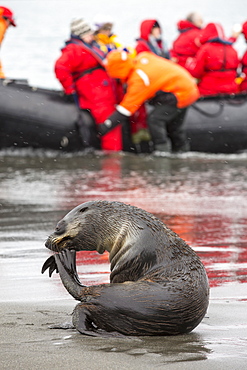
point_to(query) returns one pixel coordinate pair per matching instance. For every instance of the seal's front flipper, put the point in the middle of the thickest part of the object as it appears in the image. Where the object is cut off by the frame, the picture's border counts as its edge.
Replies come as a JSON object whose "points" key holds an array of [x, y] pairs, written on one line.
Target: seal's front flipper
{"points": [[50, 264], [66, 264]]}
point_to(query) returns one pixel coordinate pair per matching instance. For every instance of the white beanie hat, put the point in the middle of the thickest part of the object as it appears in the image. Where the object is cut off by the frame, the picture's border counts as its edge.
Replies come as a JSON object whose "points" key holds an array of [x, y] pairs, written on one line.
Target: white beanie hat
{"points": [[80, 28]]}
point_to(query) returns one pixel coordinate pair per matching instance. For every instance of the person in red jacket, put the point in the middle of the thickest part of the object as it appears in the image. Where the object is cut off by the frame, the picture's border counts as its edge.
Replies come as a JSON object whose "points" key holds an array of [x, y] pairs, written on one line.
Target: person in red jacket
{"points": [[187, 45], [243, 85], [151, 40], [216, 63], [81, 72], [6, 20]]}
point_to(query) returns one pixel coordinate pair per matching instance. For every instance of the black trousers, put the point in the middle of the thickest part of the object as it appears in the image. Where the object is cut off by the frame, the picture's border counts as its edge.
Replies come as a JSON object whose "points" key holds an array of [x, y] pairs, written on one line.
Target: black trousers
{"points": [[166, 121]]}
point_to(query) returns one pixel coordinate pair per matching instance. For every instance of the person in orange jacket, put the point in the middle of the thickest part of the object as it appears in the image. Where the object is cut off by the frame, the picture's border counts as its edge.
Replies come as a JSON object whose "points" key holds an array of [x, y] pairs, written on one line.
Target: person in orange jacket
{"points": [[6, 20], [169, 88]]}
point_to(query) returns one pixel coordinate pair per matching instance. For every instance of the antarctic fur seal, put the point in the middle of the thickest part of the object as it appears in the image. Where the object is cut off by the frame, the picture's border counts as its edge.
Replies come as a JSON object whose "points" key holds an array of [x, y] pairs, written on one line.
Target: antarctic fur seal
{"points": [[158, 285]]}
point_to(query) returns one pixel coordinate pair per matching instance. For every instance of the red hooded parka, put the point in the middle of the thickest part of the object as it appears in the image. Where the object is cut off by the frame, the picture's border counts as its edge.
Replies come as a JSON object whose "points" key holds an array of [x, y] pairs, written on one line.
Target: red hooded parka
{"points": [[184, 46], [144, 43], [243, 85], [216, 63], [80, 70]]}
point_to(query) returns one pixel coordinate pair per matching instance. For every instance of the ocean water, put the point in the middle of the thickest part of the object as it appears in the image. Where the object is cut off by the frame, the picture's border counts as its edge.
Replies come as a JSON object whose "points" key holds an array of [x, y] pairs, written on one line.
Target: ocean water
{"points": [[201, 197]]}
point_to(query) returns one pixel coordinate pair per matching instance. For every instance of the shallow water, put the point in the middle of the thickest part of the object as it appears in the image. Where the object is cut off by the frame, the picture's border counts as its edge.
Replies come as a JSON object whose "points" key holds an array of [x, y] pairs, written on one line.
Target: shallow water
{"points": [[201, 197]]}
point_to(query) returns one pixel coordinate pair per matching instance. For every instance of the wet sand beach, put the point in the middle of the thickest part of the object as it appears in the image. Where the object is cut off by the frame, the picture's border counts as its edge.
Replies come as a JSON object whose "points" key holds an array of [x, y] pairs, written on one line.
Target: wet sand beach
{"points": [[27, 342]]}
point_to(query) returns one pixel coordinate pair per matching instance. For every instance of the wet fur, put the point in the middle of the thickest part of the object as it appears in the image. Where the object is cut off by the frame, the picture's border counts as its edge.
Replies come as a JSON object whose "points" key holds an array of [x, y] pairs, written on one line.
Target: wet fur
{"points": [[158, 285]]}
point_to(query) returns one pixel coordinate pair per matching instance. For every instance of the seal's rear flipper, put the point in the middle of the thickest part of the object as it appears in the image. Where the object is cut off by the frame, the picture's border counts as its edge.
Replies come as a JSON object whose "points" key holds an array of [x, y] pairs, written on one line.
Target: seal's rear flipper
{"points": [[85, 325], [102, 334]]}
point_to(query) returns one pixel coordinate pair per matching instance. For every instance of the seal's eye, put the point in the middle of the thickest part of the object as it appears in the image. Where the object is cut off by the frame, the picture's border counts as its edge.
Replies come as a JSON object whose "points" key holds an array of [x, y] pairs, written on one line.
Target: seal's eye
{"points": [[83, 209], [60, 228]]}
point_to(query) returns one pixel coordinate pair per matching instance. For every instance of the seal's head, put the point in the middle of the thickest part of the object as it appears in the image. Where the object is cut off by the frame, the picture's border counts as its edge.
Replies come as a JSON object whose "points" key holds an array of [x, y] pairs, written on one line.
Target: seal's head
{"points": [[90, 226]]}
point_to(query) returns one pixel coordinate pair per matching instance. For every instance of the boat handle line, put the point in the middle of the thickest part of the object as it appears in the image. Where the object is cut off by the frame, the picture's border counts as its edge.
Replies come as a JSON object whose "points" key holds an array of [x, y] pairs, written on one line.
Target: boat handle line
{"points": [[216, 114]]}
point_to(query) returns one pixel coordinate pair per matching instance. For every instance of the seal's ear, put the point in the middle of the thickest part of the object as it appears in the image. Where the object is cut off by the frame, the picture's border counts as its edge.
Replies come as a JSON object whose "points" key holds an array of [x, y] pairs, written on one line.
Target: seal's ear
{"points": [[83, 209]]}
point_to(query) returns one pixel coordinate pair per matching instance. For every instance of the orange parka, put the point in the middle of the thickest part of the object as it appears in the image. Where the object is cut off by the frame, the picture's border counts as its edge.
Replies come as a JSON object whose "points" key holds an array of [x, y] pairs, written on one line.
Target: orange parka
{"points": [[3, 28], [146, 74], [6, 19]]}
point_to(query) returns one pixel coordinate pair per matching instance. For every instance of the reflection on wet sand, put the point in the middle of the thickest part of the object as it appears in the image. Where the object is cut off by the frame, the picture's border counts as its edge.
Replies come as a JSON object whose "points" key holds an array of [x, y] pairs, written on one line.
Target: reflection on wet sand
{"points": [[223, 251], [201, 213], [180, 348], [202, 199]]}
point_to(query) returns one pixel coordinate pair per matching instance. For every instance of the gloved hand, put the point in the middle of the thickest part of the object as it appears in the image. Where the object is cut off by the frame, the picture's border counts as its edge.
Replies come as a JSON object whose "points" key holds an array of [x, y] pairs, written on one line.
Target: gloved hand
{"points": [[111, 122], [105, 127], [71, 98]]}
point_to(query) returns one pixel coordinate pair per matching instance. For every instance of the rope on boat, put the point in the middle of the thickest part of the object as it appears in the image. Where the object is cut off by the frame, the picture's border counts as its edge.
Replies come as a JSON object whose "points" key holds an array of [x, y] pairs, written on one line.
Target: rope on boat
{"points": [[212, 115], [230, 99]]}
